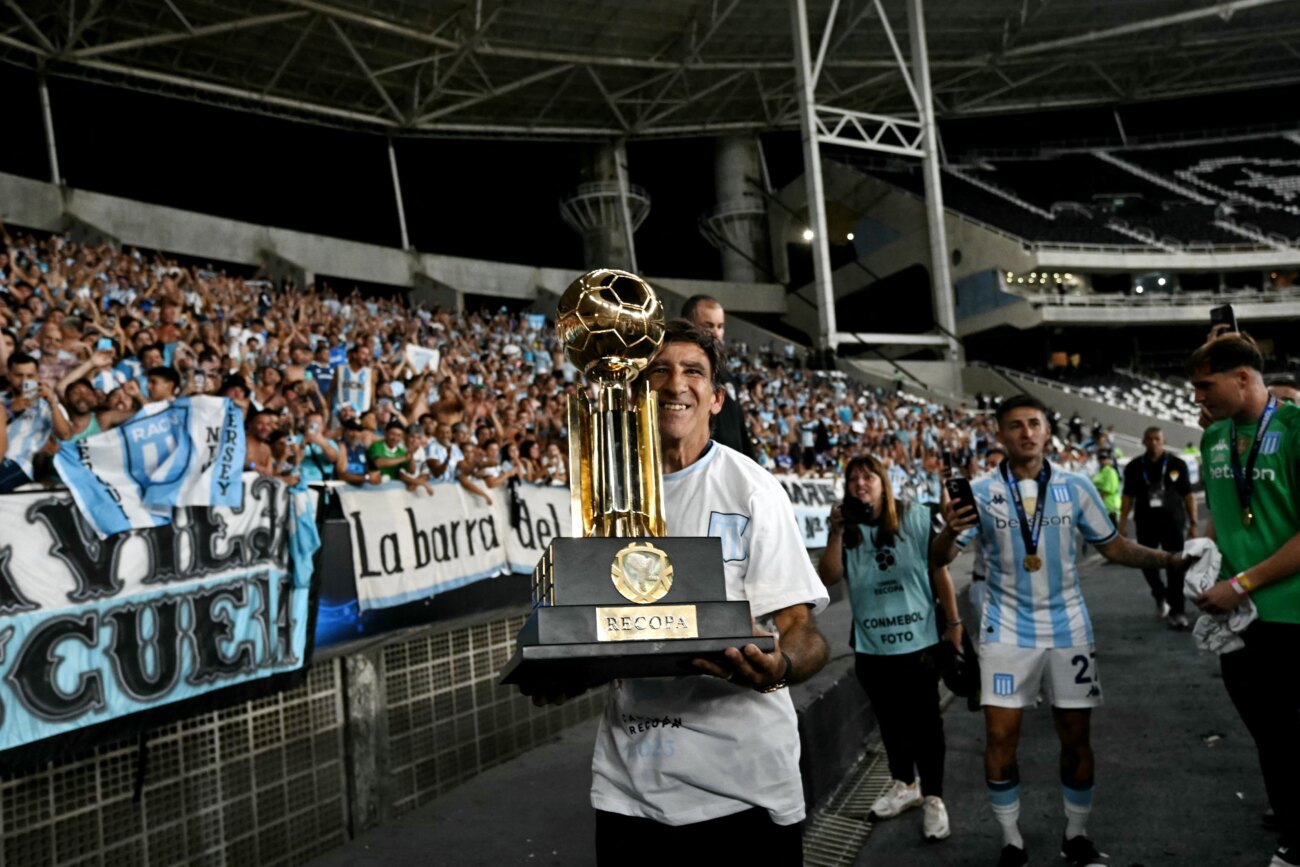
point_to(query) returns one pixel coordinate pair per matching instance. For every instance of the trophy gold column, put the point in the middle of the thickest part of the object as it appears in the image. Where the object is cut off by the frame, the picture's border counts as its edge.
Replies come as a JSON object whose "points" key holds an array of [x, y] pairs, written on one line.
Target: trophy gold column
{"points": [[582, 630], [611, 324]]}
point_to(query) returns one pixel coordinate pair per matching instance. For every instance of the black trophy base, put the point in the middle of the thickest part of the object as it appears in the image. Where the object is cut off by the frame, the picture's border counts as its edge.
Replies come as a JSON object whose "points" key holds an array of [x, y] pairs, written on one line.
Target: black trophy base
{"points": [[586, 665]]}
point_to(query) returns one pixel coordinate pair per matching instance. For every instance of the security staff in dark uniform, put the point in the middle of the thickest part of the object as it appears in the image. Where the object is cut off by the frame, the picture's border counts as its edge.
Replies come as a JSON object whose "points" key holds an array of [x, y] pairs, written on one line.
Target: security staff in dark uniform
{"points": [[729, 427], [1158, 493]]}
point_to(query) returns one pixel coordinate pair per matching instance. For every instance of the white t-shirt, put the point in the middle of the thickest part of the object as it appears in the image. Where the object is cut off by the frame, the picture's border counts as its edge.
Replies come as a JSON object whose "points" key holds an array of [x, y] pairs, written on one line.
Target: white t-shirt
{"points": [[688, 749]]}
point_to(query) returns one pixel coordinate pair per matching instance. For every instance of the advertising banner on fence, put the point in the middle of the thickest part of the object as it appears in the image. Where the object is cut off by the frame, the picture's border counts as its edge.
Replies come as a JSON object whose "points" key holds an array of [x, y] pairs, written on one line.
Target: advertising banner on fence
{"points": [[93, 629], [186, 453], [408, 546], [812, 500]]}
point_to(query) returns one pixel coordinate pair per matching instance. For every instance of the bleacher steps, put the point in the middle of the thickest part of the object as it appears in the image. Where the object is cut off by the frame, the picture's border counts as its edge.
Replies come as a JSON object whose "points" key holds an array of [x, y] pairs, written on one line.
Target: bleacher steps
{"points": [[1253, 234], [1157, 179], [1147, 237], [995, 190]]}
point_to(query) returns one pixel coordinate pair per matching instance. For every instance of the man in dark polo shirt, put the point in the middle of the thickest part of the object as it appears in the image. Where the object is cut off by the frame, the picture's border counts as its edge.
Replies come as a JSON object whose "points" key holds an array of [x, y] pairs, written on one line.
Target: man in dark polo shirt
{"points": [[1159, 494], [729, 427]]}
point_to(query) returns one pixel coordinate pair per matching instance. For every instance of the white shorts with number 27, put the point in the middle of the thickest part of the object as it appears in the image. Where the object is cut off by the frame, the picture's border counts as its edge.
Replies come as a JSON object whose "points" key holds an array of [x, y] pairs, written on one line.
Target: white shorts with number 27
{"points": [[1013, 676]]}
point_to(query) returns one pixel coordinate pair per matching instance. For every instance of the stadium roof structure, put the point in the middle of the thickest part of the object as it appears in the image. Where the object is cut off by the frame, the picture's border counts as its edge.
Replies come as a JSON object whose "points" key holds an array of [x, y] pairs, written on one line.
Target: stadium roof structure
{"points": [[623, 69]]}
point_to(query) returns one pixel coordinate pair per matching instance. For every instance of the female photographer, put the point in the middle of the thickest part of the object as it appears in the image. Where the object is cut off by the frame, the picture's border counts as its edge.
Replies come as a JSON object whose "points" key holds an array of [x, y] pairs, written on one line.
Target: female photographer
{"points": [[883, 546]]}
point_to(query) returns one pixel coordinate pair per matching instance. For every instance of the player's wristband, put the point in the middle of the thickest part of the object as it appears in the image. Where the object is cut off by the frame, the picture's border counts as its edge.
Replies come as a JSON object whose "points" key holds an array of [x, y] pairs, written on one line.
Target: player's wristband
{"points": [[1235, 584], [1244, 580], [956, 622]]}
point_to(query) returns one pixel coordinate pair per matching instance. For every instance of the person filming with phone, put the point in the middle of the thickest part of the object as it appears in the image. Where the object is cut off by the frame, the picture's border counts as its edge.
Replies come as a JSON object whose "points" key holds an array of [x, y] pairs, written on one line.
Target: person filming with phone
{"points": [[881, 545]]}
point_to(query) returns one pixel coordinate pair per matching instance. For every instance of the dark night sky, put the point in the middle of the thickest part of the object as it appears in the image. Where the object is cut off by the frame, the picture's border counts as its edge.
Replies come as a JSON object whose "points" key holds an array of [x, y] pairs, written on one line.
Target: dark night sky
{"points": [[483, 199]]}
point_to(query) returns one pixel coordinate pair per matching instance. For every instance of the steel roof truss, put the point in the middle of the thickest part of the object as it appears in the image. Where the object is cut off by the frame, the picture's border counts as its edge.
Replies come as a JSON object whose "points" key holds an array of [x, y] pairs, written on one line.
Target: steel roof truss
{"points": [[85, 21], [365, 69], [442, 77], [178, 36], [375, 22], [1013, 85], [31, 26], [21, 46], [292, 53], [235, 92], [185, 22], [825, 42], [609, 100], [695, 97], [872, 132], [500, 91], [898, 56], [1223, 10]]}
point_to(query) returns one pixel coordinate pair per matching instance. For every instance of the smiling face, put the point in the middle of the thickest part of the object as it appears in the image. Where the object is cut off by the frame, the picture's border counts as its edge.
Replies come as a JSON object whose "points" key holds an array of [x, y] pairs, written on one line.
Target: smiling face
{"points": [[866, 486], [262, 426], [80, 397], [682, 379]]}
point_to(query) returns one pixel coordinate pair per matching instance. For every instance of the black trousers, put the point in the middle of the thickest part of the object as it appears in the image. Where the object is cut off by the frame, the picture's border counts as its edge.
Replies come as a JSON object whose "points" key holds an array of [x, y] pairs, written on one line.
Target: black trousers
{"points": [[1165, 536], [904, 695], [750, 837], [1261, 680]]}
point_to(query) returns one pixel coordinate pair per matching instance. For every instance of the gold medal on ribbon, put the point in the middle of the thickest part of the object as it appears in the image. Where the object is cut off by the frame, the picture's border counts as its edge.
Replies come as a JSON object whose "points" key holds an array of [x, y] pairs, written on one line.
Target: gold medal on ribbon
{"points": [[1033, 563]]}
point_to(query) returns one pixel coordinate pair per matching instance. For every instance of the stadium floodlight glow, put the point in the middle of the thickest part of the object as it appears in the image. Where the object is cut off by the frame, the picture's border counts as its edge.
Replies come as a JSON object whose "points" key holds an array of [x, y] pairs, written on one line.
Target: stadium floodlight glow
{"points": [[1161, 281], [1138, 290], [850, 236], [1069, 276], [807, 234]]}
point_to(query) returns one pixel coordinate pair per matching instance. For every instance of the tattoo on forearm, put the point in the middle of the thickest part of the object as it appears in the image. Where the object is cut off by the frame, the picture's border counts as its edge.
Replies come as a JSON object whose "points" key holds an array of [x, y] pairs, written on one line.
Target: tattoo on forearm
{"points": [[1140, 557]]}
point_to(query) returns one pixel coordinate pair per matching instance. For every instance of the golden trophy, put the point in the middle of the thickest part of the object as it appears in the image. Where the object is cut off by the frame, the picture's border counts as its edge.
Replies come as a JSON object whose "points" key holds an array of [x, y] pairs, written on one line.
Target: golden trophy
{"points": [[582, 630]]}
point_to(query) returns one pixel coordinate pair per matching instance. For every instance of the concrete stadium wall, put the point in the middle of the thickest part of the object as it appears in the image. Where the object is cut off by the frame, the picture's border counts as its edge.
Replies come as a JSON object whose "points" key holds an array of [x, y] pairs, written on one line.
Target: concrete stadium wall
{"points": [[906, 243], [41, 205]]}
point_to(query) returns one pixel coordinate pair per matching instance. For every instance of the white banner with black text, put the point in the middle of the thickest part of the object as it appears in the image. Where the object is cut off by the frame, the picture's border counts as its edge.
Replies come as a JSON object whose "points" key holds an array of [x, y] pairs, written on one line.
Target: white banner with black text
{"points": [[410, 545], [812, 500]]}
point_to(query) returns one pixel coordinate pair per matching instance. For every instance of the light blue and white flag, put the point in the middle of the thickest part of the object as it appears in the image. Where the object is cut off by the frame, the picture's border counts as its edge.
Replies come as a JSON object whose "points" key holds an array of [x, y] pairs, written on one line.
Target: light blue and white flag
{"points": [[420, 359], [28, 433], [187, 453]]}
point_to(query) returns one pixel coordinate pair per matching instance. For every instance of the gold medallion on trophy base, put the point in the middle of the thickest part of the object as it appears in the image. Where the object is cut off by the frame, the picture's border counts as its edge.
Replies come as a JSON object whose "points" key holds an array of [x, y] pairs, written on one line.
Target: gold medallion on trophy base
{"points": [[642, 573]]}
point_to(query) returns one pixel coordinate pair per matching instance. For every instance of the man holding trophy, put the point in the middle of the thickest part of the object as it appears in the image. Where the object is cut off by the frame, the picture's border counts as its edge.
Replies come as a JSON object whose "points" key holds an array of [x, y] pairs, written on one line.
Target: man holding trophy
{"points": [[715, 754], [686, 762]]}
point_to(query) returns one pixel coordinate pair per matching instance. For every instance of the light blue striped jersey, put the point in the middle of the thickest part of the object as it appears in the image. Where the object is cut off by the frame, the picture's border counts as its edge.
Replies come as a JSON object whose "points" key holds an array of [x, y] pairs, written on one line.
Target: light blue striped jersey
{"points": [[1043, 608], [354, 388]]}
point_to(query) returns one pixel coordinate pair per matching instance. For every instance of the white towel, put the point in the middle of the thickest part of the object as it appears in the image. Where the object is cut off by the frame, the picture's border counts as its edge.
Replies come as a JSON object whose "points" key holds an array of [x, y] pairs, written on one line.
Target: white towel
{"points": [[1219, 633]]}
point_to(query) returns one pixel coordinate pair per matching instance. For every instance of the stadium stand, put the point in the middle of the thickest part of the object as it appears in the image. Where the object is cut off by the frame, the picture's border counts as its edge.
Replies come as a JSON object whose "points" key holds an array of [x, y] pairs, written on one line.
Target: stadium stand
{"points": [[281, 351], [1160, 399], [1227, 193]]}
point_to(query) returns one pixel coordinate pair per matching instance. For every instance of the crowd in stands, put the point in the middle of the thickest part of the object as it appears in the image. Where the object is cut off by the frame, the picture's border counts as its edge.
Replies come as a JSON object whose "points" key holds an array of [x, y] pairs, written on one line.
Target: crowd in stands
{"points": [[368, 391]]}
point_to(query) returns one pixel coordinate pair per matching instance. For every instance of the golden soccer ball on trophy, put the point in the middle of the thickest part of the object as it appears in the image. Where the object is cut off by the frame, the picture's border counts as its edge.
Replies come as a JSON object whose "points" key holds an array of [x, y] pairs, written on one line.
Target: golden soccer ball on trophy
{"points": [[611, 324]]}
